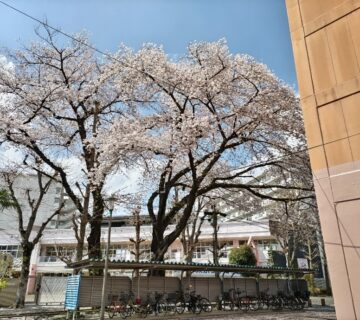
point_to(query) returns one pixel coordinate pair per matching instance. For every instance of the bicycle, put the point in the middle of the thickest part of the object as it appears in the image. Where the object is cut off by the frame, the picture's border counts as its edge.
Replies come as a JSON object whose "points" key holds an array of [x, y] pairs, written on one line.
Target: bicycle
{"points": [[301, 299], [117, 305], [227, 301], [191, 301], [170, 300], [246, 302], [288, 301], [157, 303], [205, 304], [264, 300], [135, 307]]}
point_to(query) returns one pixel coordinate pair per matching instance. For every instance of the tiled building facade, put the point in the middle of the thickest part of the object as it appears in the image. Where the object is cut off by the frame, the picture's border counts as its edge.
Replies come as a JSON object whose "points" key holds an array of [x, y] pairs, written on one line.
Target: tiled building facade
{"points": [[326, 43]]}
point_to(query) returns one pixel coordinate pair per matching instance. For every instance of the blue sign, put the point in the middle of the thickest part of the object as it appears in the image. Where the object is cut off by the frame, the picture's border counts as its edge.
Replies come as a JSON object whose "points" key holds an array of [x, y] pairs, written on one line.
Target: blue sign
{"points": [[72, 292]]}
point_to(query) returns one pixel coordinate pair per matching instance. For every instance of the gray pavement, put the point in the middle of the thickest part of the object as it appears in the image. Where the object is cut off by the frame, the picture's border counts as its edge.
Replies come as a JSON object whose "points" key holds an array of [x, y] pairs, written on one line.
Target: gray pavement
{"points": [[321, 313], [316, 312], [310, 314]]}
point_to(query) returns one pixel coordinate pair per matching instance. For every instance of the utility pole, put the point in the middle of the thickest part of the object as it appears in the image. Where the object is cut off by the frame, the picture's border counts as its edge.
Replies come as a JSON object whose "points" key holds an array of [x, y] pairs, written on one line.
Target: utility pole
{"points": [[111, 202], [138, 240], [213, 219]]}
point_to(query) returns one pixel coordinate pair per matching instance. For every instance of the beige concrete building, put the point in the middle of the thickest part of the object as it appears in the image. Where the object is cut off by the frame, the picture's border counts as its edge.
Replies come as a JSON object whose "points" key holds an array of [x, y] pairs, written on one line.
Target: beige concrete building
{"points": [[326, 43]]}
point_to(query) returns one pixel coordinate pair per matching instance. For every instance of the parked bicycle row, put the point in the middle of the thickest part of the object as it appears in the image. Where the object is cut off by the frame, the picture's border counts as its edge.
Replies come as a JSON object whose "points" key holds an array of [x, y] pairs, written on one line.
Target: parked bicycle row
{"points": [[236, 299], [156, 303], [125, 305]]}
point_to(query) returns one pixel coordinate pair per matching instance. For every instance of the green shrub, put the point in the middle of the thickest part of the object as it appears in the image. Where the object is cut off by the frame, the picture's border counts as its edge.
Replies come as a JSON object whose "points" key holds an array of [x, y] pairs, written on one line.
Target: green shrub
{"points": [[314, 291], [3, 283], [243, 255]]}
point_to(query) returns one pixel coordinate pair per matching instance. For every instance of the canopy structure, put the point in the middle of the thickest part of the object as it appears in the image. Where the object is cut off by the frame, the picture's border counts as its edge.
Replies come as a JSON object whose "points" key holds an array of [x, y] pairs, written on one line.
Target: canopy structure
{"points": [[154, 265]]}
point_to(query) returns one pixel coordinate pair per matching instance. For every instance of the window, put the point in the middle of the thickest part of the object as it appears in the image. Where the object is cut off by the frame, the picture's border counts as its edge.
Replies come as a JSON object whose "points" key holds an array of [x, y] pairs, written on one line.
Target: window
{"points": [[225, 247], [119, 251], [175, 254], [58, 190], [266, 244], [203, 251], [14, 250], [60, 251], [145, 250]]}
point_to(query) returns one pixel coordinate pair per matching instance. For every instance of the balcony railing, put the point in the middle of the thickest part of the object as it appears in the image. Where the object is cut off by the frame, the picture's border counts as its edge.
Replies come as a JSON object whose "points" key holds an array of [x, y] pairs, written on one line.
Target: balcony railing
{"points": [[49, 259]]}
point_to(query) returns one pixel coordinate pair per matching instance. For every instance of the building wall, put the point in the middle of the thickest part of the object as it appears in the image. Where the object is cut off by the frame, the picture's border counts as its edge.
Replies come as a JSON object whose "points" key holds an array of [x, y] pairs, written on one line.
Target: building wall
{"points": [[62, 242], [23, 184], [326, 43]]}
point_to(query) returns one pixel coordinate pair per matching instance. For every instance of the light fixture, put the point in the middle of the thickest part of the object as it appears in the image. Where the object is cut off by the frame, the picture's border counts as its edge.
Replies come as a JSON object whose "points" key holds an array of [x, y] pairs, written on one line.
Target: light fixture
{"points": [[110, 202]]}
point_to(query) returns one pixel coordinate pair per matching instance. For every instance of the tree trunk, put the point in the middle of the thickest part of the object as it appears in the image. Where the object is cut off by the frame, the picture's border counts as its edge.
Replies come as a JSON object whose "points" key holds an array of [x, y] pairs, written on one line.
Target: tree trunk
{"points": [[215, 242], [81, 239], [94, 239], [159, 243], [188, 259], [24, 274], [156, 249], [137, 225]]}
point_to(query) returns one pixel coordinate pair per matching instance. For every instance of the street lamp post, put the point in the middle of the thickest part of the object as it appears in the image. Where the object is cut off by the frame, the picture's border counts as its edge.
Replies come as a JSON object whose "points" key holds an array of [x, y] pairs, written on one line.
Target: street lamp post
{"points": [[110, 205]]}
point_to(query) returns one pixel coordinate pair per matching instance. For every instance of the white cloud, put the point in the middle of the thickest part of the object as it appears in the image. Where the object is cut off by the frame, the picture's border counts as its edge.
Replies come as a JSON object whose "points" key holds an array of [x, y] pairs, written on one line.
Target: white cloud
{"points": [[10, 155], [128, 181]]}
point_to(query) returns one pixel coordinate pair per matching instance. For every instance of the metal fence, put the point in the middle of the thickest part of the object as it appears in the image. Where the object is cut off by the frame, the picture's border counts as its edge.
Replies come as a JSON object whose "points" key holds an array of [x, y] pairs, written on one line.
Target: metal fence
{"points": [[91, 289], [144, 285], [273, 286], [52, 290], [209, 288], [248, 285]]}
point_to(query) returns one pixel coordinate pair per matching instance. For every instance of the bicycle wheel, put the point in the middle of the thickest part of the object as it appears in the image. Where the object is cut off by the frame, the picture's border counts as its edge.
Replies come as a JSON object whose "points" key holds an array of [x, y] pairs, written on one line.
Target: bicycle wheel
{"points": [[263, 304], [122, 309], [226, 305], [281, 303], [180, 306], [111, 310], [143, 311], [195, 307], [244, 304], [274, 303], [301, 303], [161, 308], [170, 308], [205, 305], [253, 304], [129, 310]]}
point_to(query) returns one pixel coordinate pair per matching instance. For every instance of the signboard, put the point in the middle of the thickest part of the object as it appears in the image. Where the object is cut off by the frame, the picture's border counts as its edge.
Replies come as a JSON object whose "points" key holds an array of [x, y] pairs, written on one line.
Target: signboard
{"points": [[302, 263], [72, 292]]}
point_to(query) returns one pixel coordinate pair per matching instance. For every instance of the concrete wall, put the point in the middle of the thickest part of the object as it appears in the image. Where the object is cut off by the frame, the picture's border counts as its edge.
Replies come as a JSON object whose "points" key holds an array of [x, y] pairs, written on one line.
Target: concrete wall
{"points": [[8, 294], [326, 43]]}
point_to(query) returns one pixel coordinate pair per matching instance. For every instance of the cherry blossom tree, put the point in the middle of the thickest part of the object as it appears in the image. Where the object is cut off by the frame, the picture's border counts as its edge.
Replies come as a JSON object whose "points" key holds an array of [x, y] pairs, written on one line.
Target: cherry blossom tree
{"points": [[294, 223], [212, 121], [55, 97]]}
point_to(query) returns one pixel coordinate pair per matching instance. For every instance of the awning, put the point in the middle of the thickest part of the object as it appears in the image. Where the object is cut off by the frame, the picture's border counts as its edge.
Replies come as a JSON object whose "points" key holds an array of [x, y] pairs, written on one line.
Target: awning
{"points": [[154, 265]]}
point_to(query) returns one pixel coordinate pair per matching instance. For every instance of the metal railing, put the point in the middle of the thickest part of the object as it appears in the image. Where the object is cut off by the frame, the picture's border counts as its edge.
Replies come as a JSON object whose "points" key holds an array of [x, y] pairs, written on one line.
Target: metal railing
{"points": [[49, 259]]}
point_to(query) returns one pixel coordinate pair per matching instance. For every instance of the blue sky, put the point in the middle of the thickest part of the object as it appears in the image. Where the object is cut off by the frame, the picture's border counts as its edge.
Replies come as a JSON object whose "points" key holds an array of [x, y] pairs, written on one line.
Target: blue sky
{"points": [[255, 27]]}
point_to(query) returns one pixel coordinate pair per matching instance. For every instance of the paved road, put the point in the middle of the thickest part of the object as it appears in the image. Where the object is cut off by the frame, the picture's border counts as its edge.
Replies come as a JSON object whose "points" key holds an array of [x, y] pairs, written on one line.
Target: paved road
{"points": [[317, 312], [308, 314]]}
